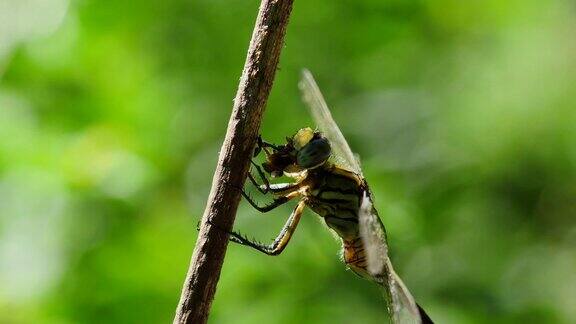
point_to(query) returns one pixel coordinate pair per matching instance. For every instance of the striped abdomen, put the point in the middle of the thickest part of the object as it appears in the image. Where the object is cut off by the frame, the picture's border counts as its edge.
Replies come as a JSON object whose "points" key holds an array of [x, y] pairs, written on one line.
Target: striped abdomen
{"points": [[336, 197]]}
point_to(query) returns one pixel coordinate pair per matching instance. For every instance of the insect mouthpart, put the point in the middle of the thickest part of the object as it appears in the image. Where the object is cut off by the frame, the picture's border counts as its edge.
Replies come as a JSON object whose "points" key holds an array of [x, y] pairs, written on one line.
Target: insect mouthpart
{"points": [[277, 162]]}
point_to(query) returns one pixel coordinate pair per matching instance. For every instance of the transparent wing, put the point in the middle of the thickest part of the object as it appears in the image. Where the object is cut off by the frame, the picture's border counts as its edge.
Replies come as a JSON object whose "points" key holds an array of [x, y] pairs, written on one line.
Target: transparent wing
{"points": [[319, 109], [401, 304]]}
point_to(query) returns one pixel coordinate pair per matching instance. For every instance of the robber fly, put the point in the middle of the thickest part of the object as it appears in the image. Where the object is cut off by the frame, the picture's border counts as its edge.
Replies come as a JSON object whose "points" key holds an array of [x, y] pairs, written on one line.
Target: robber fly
{"points": [[327, 178]]}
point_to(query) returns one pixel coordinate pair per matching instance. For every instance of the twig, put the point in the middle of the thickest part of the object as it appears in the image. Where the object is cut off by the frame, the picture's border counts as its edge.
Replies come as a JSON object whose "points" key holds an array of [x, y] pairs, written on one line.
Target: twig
{"points": [[233, 162]]}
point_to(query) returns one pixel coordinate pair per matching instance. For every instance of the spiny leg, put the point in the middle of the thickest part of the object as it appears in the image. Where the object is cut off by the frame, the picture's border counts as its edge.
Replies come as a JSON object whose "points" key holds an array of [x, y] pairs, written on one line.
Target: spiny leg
{"points": [[262, 188], [277, 188], [275, 203], [262, 145], [281, 240]]}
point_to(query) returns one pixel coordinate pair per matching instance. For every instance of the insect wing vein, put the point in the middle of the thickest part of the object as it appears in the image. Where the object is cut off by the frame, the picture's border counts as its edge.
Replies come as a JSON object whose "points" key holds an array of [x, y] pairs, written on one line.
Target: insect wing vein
{"points": [[401, 302], [319, 110]]}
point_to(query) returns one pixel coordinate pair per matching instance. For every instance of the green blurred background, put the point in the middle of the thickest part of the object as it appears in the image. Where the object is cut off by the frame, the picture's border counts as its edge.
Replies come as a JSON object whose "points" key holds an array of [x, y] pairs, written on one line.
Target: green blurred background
{"points": [[112, 114]]}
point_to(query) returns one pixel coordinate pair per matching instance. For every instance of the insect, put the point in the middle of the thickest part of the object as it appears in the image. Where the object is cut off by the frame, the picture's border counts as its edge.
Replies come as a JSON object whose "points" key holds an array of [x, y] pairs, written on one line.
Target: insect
{"points": [[337, 192]]}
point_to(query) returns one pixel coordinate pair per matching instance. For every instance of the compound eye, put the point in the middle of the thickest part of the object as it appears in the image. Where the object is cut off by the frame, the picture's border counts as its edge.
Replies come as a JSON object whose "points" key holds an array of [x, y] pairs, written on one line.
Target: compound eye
{"points": [[314, 154]]}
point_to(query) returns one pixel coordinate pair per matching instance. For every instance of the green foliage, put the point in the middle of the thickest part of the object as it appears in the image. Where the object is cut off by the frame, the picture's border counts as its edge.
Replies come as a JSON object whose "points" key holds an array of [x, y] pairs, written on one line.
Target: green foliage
{"points": [[112, 114]]}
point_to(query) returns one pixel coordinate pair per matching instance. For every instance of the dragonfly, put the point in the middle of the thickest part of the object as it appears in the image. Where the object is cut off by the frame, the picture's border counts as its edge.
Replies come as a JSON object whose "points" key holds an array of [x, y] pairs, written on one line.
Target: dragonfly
{"points": [[327, 178]]}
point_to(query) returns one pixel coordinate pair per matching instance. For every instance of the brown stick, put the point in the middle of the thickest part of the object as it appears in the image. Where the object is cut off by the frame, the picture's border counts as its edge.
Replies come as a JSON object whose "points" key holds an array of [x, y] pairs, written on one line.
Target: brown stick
{"points": [[233, 162]]}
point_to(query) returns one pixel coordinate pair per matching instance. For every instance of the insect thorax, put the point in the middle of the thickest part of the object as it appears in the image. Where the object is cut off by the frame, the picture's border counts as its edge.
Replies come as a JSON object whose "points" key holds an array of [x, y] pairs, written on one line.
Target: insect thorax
{"points": [[336, 198]]}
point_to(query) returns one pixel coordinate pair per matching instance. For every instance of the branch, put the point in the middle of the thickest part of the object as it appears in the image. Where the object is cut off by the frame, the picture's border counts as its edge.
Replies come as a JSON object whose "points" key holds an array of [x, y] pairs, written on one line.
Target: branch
{"points": [[233, 162]]}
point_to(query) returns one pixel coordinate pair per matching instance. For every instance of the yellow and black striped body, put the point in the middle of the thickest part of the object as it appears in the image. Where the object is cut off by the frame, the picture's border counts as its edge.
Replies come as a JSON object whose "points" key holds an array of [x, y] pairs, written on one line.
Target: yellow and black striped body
{"points": [[335, 194]]}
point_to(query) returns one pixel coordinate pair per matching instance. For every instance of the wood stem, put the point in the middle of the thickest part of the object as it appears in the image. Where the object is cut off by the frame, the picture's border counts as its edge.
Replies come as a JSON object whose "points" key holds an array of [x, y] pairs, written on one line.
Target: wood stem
{"points": [[234, 161]]}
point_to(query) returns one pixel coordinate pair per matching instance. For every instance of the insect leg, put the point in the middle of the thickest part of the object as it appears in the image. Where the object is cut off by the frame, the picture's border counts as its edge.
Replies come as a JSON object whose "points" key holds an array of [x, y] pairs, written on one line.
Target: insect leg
{"points": [[259, 146], [276, 203], [281, 240], [277, 188], [262, 188], [262, 145]]}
